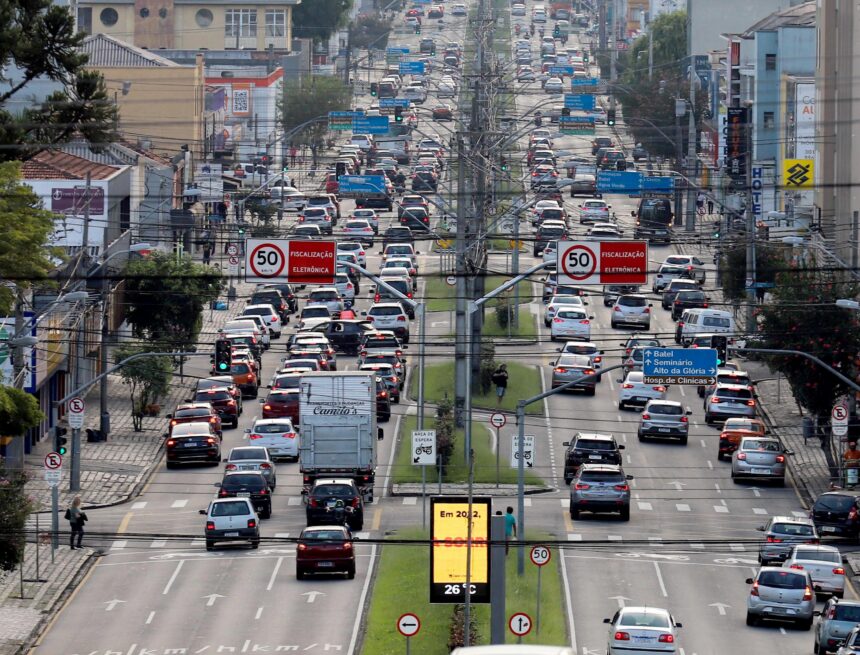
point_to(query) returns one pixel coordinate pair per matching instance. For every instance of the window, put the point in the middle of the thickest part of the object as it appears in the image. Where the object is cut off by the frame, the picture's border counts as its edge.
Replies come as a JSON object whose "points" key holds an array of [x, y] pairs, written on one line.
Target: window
{"points": [[276, 22], [108, 17], [85, 19], [769, 121], [770, 62], [144, 12], [240, 23], [204, 17]]}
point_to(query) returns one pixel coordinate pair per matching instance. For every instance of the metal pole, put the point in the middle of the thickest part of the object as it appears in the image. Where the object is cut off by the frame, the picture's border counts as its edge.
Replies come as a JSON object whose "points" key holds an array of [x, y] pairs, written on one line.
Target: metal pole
{"points": [[498, 450], [467, 408], [17, 447], [650, 53], [521, 488], [423, 497], [75, 472], [679, 157], [55, 520], [537, 611], [751, 228], [104, 416], [613, 55], [422, 329], [690, 167], [498, 620], [461, 364], [515, 270]]}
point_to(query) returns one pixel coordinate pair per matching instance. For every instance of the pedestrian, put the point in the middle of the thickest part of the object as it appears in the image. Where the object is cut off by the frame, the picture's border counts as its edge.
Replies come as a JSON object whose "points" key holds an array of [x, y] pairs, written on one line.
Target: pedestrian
{"points": [[207, 253], [710, 206], [76, 518], [293, 153], [700, 202], [510, 527], [500, 379]]}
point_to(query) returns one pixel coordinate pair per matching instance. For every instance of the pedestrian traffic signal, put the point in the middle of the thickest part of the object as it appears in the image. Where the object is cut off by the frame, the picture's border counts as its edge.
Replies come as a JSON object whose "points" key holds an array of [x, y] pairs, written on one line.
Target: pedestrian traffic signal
{"points": [[60, 440], [374, 89], [610, 117], [223, 355], [398, 114], [720, 343]]}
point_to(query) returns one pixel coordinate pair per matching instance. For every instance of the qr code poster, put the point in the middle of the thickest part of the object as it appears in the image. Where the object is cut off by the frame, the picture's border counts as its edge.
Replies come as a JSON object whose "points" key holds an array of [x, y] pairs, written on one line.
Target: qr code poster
{"points": [[241, 99]]}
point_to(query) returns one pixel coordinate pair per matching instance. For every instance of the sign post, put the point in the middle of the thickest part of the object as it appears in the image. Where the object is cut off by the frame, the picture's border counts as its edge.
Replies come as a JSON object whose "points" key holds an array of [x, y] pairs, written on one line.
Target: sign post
{"points": [[424, 455], [498, 420], [696, 366], [520, 624], [53, 476], [76, 408], [408, 625], [540, 556]]}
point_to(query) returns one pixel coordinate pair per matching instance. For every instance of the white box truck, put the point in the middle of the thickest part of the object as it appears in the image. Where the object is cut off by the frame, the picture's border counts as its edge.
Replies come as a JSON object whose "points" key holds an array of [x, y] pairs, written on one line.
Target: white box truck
{"points": [[338, 430]]}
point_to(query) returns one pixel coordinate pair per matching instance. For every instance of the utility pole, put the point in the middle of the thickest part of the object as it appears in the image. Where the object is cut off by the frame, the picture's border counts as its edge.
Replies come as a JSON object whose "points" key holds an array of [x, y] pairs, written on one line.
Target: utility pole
{"points": [[613, 56], [16, 447], [679, 162], [460, 362], [691, 167], [650, 53], [104, 416], [601, 27], [751, 229]]}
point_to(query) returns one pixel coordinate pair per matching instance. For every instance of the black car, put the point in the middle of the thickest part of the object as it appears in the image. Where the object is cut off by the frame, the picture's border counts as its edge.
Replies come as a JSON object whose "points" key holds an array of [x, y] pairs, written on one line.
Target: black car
{"points": [[383, 401], [287, 291], [837, 514], [601, 142], [345, 335], [248, 484], [687, 300], [590, 448], [375, 201], [427, 45], [545, 234], [672, 289], [192, 449], [323, 499], [274, 298], [416, 218], [424, 181], [223, 402], [397, 234]]}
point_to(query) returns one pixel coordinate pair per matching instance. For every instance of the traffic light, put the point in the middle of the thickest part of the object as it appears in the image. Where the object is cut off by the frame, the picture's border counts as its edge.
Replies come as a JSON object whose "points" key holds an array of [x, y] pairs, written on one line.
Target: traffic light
{"points": [[504, 163], [223, 355], [610, 117], [565, 111], [398, 114], [418, 28], [241, 229], [60, 440], [720, 343], [374, 89]]}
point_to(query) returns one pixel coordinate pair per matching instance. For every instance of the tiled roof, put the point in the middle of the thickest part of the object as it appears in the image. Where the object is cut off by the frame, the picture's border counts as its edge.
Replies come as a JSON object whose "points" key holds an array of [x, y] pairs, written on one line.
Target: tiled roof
{"points": [[802, 15], [54, 165], [109, 52]]}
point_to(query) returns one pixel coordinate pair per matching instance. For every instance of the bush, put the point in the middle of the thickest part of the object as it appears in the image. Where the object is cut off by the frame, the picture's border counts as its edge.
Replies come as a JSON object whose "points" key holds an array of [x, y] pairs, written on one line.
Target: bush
{"points": [[488, 366], [15, 507], [445, 431], [505, 311], [457, 630]]}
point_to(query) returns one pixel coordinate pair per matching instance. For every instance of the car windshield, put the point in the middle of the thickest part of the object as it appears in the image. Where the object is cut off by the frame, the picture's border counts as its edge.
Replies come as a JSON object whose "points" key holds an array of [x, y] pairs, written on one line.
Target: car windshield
{"points": [[793, 529], [571, 314], [782, 580], [239, 369], [244, 480], [671, 270], [338, 490], [834, 503], [284, 396], [248, 453], [235, 508], [273, 428], [212, 396], [665, 409], [691, 296], [595, 444], [323, 295], [315, 312], [644, 620]]}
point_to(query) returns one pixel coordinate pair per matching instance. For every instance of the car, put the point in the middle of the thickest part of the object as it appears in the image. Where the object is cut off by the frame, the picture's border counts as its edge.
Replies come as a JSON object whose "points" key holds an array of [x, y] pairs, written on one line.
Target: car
{"points": [[345, 288], [416, 218], [518, 9], [781, 594], [195, 413], [603, 234], [664, 419], [666, 273], [245, 376], [365, 214], [611, 292], [633, 362], [393, 379], [247, 484], [570, 323], [525, 73], [459, 10], [671, 290], [592, 211], [687, 300], [275, 298], [269, 315], [585, 184], [543, 175], [584, 348], [590, 448], [781, 534], [695, 267], [694, 322], [402, 286], [601, 142], [443, 112], [837, 618], [570, 368], [318, 216], [313, 315], [638, 630], [390, 357], [325, 549], [360, 230], [554, 86], [540, 206], [231, 519], [277, 435], [730, 400], [289, 198], [390, 316], [192, 443], [282, 403], [405, 266], [633, 391], [323, 497], [609, 158], [735, 429], [600, 488], [221, 382], [824, 564], [556, 302], [328, 296], [305, 231], [547, 232], [252, 458], [837, 514], [639, 152], [631, 309], [851, 645], [760, 458], [222, 400]]}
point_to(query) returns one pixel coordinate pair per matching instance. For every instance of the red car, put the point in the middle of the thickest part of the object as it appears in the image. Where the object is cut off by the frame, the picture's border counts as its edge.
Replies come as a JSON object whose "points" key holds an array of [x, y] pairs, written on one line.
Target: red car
{"points": [[195, 413], [282, 403], [443, 113], [325, 549], [331, 184], [223, 402]]}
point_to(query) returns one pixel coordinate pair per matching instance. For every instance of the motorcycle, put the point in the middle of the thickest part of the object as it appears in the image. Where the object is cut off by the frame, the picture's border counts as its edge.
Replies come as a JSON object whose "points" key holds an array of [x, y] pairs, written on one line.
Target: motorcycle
{"points": [[338, 512]]}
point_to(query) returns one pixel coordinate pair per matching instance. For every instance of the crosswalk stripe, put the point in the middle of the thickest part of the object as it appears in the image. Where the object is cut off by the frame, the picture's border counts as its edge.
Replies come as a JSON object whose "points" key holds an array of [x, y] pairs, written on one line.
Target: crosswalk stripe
{"points": [[410, 500], [682, 507], [139, 505], [282, 535], [759, 510], [800, 515], [117, 545], [645, 507], [293, 501], [614, 537], [179, 504], [527, 502], [362, 535], [158, 543], [721, 509], [571, 536], [737, 547]]}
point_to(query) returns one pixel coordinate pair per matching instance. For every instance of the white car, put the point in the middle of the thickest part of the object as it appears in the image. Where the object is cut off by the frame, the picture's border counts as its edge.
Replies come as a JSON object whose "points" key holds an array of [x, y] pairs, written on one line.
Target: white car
{"points": [[231, 519], [695, 266], [368, 215], [289, 198], [525, 74], [634, 392], [247, 324], [327, 296], [313, 315], [603, 234], [641, 630], [557, 302], [269, 315], [594, 211], [554, 86], [824, 564], [360, 230], [390, 316], [355, 248], [401, 262], [570, 323], [540, 205], [665, 274], [277, 435], [518, 9], [345, 287], [446, 90], [550, 253], [401, 250], [318, 216]]}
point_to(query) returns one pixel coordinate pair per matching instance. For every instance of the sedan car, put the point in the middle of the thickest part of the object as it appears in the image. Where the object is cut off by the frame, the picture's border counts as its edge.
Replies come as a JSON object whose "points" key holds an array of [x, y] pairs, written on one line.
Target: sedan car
{"points": [[664, 419], [635, 630], [600, 488], [592, 211], [554, 86], [192, 443], [735, 429], [781, 594], [443, 112], [360, 230], [247, 484], [368, 215], [570, 368], [635, 393], [325, 549], [631, 309], [760, 458], [838, 617], [824, 564], [252, 458]]}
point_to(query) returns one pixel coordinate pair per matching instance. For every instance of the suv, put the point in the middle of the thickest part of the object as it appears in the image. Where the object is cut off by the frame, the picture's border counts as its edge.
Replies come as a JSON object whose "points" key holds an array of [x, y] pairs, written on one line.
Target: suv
{"points": [[221, 382], [838, 617], [781, 594], [664, 419], [222, 401], [730, 400], [329, 201], [323, 496], [192, 443], [283, 403], [688, 300], [404, 286], [277, 435], [600, 488], [390, 316], [601, 142], [247, 484], [548, 231], [274, 298], [590, 448], [397, 234], [631, 310], [671, 290], [231, 519], [288, 291], [781, 534], [345, 335], [837, 514]]}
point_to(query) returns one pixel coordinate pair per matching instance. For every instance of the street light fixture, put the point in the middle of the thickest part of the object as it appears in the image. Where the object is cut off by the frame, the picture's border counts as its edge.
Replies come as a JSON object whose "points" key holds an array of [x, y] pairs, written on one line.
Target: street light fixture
{"points": [[845, 303]]}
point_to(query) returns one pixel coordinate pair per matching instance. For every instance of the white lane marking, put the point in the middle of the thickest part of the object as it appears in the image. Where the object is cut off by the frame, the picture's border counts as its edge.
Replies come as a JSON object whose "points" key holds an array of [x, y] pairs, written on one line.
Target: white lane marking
{"points": [[614, 537], [695, 424], [119, 545], [274, 574], [387, 476], [198, 542], [150, 617], [682, 507], [782, 631], [173, 577], [158, 543], [710, 465], [179, 504], [717, 487], [612, 384], [645, 507], [681, 389], [624, 437], [655, 540], [629, 459], [361, 601], [568, 601], [761, 511], [565, 503], [572, 536], [704, 445], [620, 420], [660, 579], [527, 502], [282, 535], [800, 515], [737, 547], [139, 505], [410, 500], [258, 614], [293, 501], [438, 323], [697, 546], [721, 509]]}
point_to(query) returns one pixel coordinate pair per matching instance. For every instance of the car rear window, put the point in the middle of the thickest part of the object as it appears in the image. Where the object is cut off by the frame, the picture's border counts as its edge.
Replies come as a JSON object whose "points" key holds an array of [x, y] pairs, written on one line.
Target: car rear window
{"points": [[551, 233], [716, 321], [629, 301], [761, 444], [735, 393], [644, 620], [338, 490], [249, 453], [187, 413], [324, 535], [571, 314], [237, 508], [315, 312], [666, 409], [273, 428], [595, 444], [834, 503], [792, 529], [602, 476], [782, 580], [691, 295], [385, 311], [244, 480], [817, 554], [847, 613], [239, 368], [212, 396], [323, 295]]}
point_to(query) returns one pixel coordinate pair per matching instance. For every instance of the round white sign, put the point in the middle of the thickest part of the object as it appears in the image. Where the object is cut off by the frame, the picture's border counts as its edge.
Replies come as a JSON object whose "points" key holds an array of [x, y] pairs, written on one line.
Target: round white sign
{"points": [[408, 625], [498, 420]]}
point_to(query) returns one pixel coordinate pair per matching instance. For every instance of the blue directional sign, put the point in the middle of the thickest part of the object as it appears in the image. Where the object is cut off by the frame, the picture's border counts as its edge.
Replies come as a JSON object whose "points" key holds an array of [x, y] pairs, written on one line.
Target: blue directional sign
{"points": [[628, 182], [370, 124], [659, 185], [360, 184], [561, 70], [582, 102], [412, 68], [582, 125], [395, 50], [679, 365], [584, 84], [393, 102]]}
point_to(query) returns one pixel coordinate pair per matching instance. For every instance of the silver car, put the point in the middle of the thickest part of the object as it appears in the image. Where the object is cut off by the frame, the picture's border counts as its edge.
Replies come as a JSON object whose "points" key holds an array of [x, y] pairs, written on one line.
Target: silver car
{"points": [[600, 488], [760, 457], [782, 534], [570, 368], [666, 419], [730, 400], [851, 646], [824, 564], [781, 594], [584, 348], [252, 458], [837, 619], [631, 310]]}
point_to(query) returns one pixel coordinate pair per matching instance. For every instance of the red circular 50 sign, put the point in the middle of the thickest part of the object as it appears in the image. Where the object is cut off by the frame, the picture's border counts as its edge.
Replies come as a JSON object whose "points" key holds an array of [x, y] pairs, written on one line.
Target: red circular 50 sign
{"points": [[267, 260], [579, 262]]}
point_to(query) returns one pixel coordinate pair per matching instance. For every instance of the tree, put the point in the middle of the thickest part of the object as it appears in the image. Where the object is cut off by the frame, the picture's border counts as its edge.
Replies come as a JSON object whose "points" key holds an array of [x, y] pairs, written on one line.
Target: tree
{"points": [[148, 378], [165, 297], [19, 411], [804, 316], [25, 226], [308, 99], [769, 261], [370, 31], [38, 40], [319, 19]]}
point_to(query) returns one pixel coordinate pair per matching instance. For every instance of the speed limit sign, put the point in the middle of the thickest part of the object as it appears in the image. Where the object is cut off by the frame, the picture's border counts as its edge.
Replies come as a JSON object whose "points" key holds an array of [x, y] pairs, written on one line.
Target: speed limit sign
{"points": [[540, 555], [579, 262], [267, 260]]}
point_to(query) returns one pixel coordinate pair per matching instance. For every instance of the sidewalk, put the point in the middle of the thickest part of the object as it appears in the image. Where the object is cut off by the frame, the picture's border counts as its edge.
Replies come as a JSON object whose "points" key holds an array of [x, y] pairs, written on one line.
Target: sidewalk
{"points": [[112, 472]]}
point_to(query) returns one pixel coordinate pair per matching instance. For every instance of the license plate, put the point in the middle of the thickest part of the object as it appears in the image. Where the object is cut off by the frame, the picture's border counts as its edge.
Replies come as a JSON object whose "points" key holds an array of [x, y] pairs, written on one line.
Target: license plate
{"points": [[231, 534], [663, 430], [828, 528], [325, 564], [244, 494], [190, 445], [642, 640], [640, 399], [248, 468], [760, 470], [594, 457]]}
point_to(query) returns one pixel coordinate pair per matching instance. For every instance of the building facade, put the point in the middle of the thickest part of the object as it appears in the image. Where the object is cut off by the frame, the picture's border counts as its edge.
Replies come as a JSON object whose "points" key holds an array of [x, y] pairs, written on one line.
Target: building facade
{"points": [[707, 20]]}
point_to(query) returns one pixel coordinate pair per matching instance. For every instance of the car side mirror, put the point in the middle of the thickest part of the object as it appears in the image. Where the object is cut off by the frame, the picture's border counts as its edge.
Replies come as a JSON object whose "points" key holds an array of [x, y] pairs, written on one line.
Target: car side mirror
{"points": [[380, 434], [621, 446], [607, 620], [788, 452], [749, 580], [565, 443], [417, 252], [760, 528], [201, 511], [188, 400], [628, 477], [224, 461], [650, 305], [679, 625], [217, 485], [168, 416], [689, 412], [248, 430], [816, 613], [268, 386]]}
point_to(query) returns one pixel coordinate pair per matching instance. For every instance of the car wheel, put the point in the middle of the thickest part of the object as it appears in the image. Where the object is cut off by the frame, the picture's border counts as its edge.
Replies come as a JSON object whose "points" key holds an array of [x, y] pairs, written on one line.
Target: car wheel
{"points": [[574, 514], [820, 650], [805, 624], [708, 419], [255, 544], [683, 441], [210, 545], [235, 423], [591, 391], [267, 513], [621, 405], [647, 327], [350, 572], [752, 619], [547, 323], [641, 436], [625, 514], [300, 575], [169, 465], [613, 324]]}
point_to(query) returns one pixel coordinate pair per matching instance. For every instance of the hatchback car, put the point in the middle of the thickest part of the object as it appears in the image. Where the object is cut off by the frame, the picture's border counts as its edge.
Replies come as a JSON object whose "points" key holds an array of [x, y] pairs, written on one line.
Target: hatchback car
{"points": [[664, 419], [735, 429], [223, 401], [282, 403], [571, 368], [824, 564], [851, 645], [231, 519], [695, 266], [192, 443], [592, 211], [781, 594], [837, 619], [837, 514], [585, 348], [730, 400], [355, 248], [252, 458], [781, 534], [634, 392], [635, 630], [195, 413], [247, 484], [323, 498], [390, 316], [590, 448], [665, 274], [631, 310], [760, 458], [570, 323], [325, 549], [277, 435], [329, 297], [360, 230], [558, 302], [393, 381], [688, 300], [670, 291], [600, 488]]}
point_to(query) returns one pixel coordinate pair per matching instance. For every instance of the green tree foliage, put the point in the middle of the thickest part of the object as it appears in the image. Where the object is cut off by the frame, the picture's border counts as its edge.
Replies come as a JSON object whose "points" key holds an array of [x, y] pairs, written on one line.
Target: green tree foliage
{"points": [[311, 98], [19, 411], [803, 316], [369, 31], [25, 227], [148, 378], [318, 19], [38, 38], [15, 507], [769, 261], [165, 298]]}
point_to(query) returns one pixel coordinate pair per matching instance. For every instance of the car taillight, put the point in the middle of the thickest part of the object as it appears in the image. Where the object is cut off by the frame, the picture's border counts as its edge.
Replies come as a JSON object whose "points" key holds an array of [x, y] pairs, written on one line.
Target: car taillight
{"points": [[807, 595], [301, 219], [646, 417], [588, 371], [213, 419], [754, 589], [255, 436], [677, 302], [622, 487], [383, 394], [265, 491], [171, 442], [581, 486], [584, 321], [751, 403], [780, 458], [401, 319], [705, 305], [647, 310], [852, 514], [349, 285], [796, 566], [684, 419], [616, 309], [627, 385], [313, 502], [222, 493], [666, 639], [838, 571], [557, 320], [560, 369], [267, 406], [715, 400], [347, 545], [210, 525], [231, 402], [356, 502], [622, 636], [174, 422], [376, 298], [659, 388], [210, 441], [598, 359], [302, 547], [230, 467], [289, 435], [252, 523], [772, 540], [265, 465], [742, 456]]}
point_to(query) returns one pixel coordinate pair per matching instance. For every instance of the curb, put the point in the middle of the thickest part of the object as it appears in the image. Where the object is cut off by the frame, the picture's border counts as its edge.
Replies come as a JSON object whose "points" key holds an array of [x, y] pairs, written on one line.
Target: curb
{"points": [[477, 488]]}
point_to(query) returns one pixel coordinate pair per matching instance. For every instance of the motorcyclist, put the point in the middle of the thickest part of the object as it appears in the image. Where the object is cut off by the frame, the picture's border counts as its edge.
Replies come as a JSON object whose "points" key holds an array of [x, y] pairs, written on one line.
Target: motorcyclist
{"points": [[517, 29], [400, 182], [538, 118], [532, 29]]}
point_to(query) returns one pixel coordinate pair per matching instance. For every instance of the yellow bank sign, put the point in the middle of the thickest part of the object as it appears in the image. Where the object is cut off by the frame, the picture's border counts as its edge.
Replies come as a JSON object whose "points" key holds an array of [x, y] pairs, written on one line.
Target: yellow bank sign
{"points": [[798, 173], [450, 550]]}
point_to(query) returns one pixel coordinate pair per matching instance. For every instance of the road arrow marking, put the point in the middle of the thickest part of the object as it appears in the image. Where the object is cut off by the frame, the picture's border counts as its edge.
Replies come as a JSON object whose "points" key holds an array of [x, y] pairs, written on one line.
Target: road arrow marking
{"points": [[312, 595], [619, 599], [112, 603], [721, 608], [756, 491], [212, 598], [677, 484]]}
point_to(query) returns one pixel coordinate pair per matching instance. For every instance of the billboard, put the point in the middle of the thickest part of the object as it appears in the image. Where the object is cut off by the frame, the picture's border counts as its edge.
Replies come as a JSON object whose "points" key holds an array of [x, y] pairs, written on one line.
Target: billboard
{"points": [[449, 527], [737, 121], [804, 120]]}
